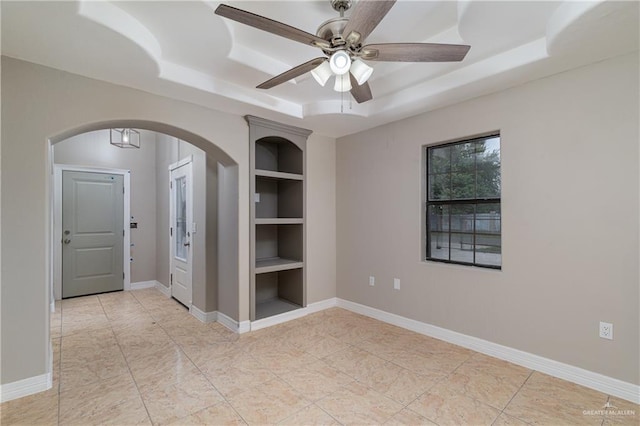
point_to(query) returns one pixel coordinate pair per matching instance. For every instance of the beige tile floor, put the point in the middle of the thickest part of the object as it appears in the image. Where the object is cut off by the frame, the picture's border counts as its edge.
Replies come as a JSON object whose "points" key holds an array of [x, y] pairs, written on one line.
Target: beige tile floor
{"points": [[140, 358]]}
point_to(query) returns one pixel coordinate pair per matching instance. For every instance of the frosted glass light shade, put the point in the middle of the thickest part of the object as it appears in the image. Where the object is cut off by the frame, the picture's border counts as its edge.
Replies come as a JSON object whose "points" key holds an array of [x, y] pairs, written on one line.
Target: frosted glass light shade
{"points": [[343, 83], [340, 62], [361, 71], [322, 73]]}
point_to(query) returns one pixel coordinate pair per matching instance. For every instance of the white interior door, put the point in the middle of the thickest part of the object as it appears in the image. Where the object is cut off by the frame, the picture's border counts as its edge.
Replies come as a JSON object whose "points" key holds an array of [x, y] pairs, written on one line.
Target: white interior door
{"points": [[181, 230], [92, 233]]}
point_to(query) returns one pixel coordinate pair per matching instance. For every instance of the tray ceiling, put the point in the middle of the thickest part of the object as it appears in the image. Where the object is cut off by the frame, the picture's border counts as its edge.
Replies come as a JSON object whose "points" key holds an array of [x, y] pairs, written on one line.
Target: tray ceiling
{"points": [[184, 51]]}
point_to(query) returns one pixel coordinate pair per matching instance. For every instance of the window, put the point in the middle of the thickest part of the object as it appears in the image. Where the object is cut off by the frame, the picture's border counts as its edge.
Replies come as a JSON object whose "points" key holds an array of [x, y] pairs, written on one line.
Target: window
{"points": [[463, 219]]}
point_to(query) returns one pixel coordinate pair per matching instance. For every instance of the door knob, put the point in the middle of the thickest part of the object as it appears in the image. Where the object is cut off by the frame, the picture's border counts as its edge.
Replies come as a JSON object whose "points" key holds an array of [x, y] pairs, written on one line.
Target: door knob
{"points": [[187, 244], [67, 241]]}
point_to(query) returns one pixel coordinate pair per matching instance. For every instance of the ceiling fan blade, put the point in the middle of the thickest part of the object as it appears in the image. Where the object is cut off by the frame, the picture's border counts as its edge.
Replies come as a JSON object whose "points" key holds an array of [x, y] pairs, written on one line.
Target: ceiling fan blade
{"points": [[360, 93], [365, 17], [415, 52], [292, 73], [270, 26]]}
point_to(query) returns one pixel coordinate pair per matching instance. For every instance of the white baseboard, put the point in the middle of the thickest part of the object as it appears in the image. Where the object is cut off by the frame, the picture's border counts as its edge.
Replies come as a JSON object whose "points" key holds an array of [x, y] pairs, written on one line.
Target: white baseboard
{"points": [[233, 325], [291, 315], [277, 319], [163, 289], [244, 327], [25, 387], [144, 284], [597, 381], [322, 305], [202, 315]]}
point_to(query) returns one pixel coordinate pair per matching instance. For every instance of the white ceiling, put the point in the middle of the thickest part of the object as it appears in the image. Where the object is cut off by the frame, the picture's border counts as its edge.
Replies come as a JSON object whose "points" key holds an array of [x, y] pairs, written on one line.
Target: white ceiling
{"points": [[183, 50]]}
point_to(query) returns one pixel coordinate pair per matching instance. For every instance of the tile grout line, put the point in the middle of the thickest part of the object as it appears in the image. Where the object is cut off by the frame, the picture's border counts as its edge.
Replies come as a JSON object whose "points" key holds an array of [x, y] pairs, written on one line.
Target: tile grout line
{"points": [[352, 346], [514, 395], [440, 381], [60, 365], [195, 365], [198, 341], [405, 406], [312, 402], [126, 360], [604, 415]]}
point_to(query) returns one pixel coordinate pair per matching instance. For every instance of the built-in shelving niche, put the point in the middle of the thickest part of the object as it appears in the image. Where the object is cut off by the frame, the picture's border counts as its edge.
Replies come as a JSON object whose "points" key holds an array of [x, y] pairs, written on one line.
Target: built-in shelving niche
{"points": [[278, 247], [278, 283], [278, 292], [279, 198], [278, 154]]}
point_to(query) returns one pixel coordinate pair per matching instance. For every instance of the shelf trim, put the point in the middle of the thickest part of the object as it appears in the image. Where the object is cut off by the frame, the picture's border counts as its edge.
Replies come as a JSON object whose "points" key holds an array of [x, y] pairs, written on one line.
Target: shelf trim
{"points": [[277, 264], [279, 221], [278, 175], [263, 122]]}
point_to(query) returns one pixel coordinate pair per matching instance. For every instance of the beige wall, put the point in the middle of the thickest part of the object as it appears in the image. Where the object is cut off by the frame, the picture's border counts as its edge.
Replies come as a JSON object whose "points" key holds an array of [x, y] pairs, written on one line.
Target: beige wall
{"points": [[228, 218], [166, 153], [570, 220], [210, 233], [321, 218], [46, 103], [41, 103], [94, 150]]}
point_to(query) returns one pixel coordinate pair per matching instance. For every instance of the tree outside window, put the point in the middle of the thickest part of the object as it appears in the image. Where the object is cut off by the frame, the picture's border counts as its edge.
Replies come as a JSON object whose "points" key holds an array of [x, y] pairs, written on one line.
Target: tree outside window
{"points": [[463, 202]]}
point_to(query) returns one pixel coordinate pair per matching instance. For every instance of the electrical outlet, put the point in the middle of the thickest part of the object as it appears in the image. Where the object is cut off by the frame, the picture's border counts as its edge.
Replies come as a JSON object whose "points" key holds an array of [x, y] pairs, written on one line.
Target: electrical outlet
{"points": [[372, 281], [396, 283], [606, 330]]}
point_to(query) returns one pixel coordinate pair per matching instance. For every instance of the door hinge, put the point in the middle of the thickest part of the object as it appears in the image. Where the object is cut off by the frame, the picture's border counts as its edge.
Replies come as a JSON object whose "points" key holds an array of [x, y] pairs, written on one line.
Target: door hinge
{"points": [[123, 232], [171, 184], [171, 279], [171, 231], [123, 276]]}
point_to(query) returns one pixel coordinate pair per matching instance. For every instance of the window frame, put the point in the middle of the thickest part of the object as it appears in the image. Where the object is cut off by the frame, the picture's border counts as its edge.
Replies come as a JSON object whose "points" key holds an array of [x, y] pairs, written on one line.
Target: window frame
{"points": [[427, 203]]}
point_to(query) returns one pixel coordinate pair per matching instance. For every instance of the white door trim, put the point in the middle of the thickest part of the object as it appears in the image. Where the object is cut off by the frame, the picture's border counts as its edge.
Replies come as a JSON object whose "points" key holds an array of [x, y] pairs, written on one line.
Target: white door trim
{"points": [[186, 160], [56, 212]]}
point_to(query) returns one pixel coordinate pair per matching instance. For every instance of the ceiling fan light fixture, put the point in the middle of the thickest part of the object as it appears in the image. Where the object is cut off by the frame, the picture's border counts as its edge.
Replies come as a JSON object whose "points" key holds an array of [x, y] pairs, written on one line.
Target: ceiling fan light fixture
{"points": [[340, 62], [343, 83], [361, 71], [322, 73]]}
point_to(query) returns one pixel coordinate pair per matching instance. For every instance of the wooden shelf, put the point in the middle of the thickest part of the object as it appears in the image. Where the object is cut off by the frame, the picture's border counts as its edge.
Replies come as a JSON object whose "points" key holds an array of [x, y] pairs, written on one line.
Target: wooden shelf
{"points": [[274, 264], [279, 221], [277, 225], [278, 175], [271, 307]]}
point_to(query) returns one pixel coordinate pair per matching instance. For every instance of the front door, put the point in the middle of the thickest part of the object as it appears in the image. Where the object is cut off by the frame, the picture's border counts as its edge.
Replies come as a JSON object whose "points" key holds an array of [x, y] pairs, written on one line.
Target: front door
{"points": [[181, 229], [92, 233]]}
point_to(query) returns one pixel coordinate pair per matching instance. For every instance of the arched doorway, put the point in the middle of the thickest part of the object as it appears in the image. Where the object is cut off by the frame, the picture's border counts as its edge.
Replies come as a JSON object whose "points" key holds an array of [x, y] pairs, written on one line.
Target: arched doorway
{"points": [[212, 293]]}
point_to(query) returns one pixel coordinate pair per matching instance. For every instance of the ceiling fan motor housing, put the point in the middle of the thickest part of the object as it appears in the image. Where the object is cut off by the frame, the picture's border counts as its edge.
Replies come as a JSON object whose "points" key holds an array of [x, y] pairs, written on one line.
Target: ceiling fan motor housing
{"points": [[340, 5], [332, 30]]}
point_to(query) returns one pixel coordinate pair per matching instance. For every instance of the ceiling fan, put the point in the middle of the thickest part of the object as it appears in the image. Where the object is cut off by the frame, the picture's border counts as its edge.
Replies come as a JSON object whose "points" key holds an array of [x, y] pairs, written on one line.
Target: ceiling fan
{"points": [[341, 39]]}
